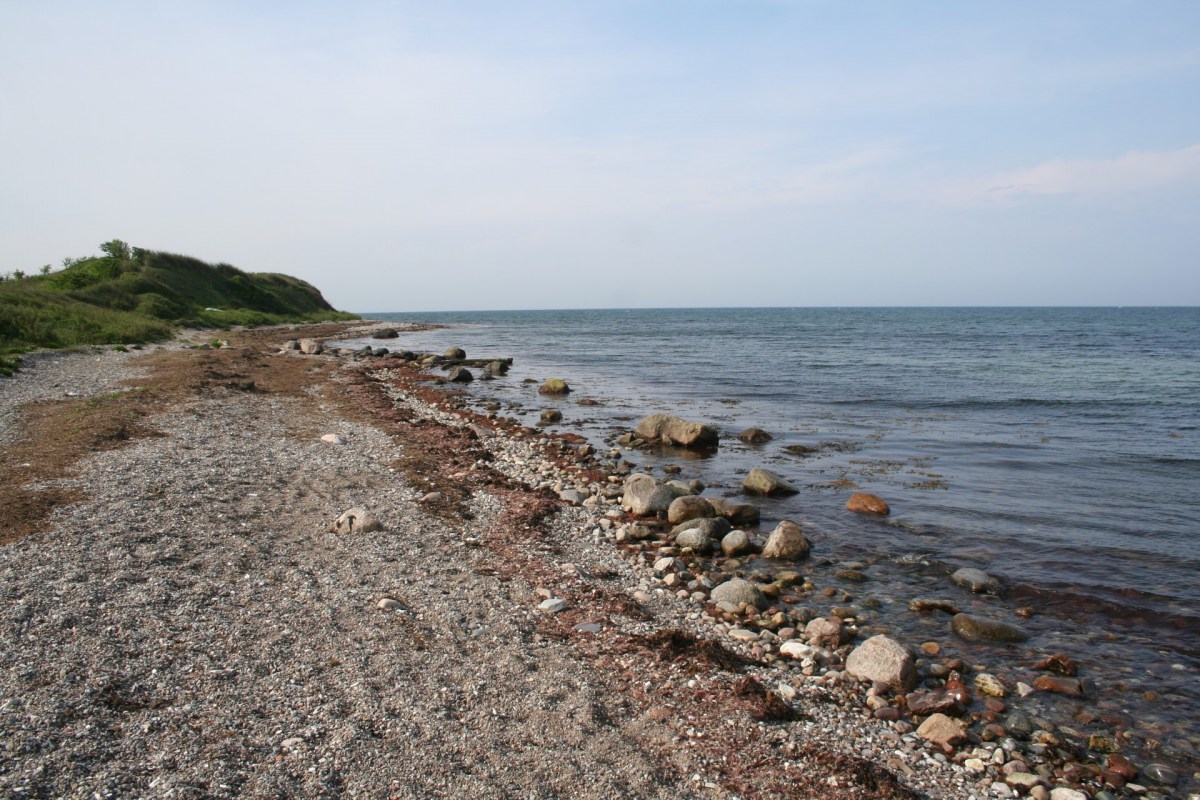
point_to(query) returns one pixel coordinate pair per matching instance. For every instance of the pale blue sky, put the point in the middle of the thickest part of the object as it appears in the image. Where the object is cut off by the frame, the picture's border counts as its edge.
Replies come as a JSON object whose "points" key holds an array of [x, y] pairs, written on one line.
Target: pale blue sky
{"points": [[422, 156]]}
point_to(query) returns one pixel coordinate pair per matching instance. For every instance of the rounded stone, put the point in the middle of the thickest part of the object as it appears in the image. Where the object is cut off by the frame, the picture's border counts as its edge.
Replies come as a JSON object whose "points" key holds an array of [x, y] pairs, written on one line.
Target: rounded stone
{"points": [[866, 503], [882, 659], [737, 591]]}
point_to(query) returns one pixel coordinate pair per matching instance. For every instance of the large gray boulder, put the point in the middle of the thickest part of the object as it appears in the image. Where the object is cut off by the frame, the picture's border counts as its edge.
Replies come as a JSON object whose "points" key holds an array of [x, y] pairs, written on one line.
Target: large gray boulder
{"points": [[699, 541], [673, 430], [766, 482], [787, 541], [311, 347], [644, 496], [734, 593], [883, 660]]}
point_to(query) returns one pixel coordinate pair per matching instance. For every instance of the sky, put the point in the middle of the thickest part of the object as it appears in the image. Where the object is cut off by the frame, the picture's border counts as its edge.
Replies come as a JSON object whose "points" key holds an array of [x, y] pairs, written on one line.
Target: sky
{"points": [[420, 156]]}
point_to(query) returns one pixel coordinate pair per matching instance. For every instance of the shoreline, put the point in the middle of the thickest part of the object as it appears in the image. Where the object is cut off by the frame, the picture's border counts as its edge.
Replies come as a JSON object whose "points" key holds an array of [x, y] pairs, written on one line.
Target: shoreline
{"points": [[703, 715]]}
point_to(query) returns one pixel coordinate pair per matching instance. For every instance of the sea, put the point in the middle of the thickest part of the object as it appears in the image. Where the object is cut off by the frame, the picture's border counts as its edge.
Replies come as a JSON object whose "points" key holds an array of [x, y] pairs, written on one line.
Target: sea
{"points": [[1058, 449]]}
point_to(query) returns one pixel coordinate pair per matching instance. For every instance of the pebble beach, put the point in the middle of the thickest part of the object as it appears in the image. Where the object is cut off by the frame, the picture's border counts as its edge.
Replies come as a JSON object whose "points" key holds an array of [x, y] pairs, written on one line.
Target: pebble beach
{"points": [[326, 574]]}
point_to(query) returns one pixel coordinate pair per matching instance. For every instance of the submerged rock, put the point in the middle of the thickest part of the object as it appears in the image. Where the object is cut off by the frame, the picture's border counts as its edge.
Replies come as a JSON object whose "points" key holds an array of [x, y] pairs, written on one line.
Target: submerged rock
{"points": [[673, 430], [550, 415], [976, 580], [766, 482], [980, 629], [754, 436]]}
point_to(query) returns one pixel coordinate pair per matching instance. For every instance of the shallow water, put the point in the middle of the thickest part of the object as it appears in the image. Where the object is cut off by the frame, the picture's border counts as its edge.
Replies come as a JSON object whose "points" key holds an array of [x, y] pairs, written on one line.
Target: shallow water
{"points": [[1055, 448]]}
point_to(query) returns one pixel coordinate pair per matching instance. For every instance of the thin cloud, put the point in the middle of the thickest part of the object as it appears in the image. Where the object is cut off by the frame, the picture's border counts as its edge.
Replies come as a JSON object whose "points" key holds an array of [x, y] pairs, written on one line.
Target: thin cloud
{"points": [[1136, 171]]}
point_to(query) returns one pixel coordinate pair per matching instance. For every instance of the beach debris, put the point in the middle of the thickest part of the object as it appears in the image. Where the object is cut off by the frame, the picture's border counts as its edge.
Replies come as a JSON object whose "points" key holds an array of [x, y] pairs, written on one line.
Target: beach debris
{"points": [[356, 520], [765, 482], [680, 432], [787, 541], [866, 503]]}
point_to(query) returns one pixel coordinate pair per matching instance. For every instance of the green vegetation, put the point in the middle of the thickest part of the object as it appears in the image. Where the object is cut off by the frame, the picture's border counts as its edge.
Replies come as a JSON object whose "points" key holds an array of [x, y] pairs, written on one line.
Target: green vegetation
{"points": [[130, 295]]}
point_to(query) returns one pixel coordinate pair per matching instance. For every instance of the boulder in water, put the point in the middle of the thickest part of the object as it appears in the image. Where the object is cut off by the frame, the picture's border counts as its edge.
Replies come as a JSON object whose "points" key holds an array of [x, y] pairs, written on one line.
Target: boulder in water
{"points": [[866, 503], [673, 430], [765, 482], [981, 629]]}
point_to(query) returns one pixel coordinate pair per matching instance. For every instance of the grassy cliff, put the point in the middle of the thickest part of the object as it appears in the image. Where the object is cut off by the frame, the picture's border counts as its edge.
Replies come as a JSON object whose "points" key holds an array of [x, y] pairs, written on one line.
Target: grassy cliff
{"points": [[133, 295]]}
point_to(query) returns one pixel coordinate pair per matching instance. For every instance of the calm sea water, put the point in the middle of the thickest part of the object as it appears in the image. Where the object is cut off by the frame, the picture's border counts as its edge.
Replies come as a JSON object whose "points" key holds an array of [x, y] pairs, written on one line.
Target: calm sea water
{"points": [[1056, 448]]}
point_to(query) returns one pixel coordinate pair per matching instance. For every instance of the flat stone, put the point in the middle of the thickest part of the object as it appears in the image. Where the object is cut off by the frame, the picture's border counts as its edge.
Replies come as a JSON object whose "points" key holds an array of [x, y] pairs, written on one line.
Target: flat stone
{"points": [[333, 438], [356, 520], [990, 685], [1059, 685], [553, 605], [980, 629], [942, 730], [742, 635], [1022, 780], [388, 604], [1064, 793]]}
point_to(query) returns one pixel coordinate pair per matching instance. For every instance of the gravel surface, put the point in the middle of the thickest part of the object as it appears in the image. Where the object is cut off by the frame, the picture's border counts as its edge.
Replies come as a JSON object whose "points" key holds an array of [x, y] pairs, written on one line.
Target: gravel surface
{"points": [[192, 628]]}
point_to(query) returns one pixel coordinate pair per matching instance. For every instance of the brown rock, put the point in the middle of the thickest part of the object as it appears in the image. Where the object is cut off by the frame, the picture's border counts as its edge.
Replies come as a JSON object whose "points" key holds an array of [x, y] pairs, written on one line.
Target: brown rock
{"points": [[689, 507], [942, 730], [1051, 683], [868, 504], [938, 701], [1060, 663], [825, 632], [754, 436], [356, 520]]}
